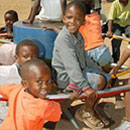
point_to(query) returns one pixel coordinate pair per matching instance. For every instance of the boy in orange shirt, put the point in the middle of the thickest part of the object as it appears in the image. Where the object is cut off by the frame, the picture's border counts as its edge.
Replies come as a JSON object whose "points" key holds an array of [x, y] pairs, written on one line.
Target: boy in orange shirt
{"points": [[28, 106]]}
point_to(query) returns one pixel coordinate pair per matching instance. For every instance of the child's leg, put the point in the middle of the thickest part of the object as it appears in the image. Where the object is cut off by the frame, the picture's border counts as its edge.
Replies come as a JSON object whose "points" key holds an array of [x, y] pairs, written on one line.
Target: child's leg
{"points": [[116, 43], [127, 104], [87, 113]]}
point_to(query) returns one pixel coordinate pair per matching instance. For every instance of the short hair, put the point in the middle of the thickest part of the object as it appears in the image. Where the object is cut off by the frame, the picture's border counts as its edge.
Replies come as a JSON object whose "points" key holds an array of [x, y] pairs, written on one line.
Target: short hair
{"points": [[78, 4], [13, 13], [25, 67], [89, 4], [26, 42]]}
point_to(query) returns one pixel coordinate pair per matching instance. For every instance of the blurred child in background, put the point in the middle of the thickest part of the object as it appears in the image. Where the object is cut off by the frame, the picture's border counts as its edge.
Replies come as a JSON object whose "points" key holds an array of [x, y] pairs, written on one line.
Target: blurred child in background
{"points": [[51, 10], [10, 17]]}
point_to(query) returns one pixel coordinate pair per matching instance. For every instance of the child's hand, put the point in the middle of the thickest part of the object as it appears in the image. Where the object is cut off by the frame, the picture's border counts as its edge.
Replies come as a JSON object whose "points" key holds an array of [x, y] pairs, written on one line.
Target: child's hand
{"points": [[27, 21], [109, 34], [75, 95], [91, 94], [114, 71]]}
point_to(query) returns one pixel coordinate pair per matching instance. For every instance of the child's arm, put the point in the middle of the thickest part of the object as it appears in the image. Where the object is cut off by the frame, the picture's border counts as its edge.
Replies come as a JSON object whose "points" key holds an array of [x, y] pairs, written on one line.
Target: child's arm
{"points": [[109, 32], [66, 103], [6, 89], [33, 12], [2, 29], [52, 27], [124, 57]]}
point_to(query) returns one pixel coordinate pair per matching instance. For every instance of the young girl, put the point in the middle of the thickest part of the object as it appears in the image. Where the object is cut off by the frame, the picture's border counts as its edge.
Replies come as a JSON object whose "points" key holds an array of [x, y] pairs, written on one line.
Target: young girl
{"points": [[75, 70]]}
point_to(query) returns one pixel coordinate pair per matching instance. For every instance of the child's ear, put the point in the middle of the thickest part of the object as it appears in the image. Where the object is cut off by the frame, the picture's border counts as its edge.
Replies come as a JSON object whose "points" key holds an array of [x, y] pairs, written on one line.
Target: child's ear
{"points": [[64, 19], [16, 58], [24, 84]]}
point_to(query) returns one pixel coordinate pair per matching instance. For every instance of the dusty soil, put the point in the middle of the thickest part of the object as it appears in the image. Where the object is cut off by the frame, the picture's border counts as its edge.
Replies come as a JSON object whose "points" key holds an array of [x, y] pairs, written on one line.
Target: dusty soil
{"points": [[107, 104]]}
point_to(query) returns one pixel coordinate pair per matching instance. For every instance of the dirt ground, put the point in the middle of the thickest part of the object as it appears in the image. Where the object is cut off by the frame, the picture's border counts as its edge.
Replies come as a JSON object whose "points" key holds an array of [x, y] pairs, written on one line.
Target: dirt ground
{"points": [[107, 104]]}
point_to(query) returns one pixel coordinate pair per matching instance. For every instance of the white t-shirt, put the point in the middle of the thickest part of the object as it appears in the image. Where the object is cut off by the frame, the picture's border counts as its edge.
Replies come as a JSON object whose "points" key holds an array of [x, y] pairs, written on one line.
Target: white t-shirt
{"points": [[51, 10], [9, 74]]}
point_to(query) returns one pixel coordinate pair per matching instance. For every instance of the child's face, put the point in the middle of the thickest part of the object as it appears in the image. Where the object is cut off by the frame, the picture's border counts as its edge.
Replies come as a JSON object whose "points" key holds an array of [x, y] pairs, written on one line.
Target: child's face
{"points": [[73, 19], [9, 20], [38, 83], [26, 53]]}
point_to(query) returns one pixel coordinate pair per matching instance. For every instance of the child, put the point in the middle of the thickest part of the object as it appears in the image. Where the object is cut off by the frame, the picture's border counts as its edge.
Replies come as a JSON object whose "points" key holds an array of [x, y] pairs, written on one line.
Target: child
{"points": [[75, 71], [28, 107], [126, 124], [10, 17], [119, 22], [25, 50], [92, 33], [51, 10]]}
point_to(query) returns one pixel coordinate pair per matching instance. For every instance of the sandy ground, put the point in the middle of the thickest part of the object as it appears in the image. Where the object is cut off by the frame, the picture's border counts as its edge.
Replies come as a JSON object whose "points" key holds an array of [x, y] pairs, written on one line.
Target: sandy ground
{"points": [[107, 104]]}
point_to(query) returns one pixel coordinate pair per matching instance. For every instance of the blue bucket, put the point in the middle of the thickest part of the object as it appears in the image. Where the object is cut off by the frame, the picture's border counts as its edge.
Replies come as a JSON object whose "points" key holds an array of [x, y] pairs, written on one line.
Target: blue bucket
{"points": [[43, 38]]}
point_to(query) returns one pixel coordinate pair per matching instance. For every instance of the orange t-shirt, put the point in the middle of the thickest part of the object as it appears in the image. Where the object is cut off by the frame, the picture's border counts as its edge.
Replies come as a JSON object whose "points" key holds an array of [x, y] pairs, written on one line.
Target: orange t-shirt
{"points": [[25, 111], [91, 31]]}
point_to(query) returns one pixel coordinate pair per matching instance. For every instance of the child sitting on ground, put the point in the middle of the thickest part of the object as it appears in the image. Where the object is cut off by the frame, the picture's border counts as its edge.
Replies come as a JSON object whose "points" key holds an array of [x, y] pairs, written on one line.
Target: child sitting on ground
{"points": [[126, 124], [28, 106], [10, 17], [75, 70], [25, 50], [51, 10]]}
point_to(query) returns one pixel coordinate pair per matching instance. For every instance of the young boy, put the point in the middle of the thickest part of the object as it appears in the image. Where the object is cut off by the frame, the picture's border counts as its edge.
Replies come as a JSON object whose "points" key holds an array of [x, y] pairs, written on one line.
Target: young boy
{"points": [[9, 74], [51, 10], [119, 22], [28, 106], [75, 71], [10, 17], [126, 124], [25, 50]]}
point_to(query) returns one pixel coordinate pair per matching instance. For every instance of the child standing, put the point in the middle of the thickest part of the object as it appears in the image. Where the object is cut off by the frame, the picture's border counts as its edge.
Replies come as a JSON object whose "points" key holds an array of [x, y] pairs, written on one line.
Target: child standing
{"points": [[10, 17], [126, 124], [119, 22], [51, 10], [75, 71]]}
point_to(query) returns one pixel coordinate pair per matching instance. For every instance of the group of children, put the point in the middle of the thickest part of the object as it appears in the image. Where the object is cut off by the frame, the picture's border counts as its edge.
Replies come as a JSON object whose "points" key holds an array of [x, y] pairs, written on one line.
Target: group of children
{"points": [[77, 71]]}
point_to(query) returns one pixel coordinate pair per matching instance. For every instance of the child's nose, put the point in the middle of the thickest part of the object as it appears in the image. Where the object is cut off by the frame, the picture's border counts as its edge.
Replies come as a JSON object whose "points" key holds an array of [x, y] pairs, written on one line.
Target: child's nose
{"points": [[44, 86]]}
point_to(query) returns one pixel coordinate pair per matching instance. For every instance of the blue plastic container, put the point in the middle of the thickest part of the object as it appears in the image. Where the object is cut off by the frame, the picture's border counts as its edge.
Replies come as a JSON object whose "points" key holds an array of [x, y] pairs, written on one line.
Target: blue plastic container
{"points": [[43, 38]]}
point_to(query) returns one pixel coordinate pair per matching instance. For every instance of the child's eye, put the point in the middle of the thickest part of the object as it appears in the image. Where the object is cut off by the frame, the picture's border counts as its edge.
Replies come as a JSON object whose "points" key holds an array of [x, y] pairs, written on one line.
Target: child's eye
{"points": [[39, 81], [25, 57]]}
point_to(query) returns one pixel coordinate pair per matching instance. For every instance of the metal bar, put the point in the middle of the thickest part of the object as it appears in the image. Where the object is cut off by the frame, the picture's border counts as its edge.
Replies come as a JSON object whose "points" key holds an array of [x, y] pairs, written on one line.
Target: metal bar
{"points": [[102, 93]]}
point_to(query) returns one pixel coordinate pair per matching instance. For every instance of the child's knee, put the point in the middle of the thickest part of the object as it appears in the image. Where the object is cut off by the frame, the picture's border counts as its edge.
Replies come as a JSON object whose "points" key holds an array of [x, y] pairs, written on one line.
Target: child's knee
{"points": [[101, 83]]}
